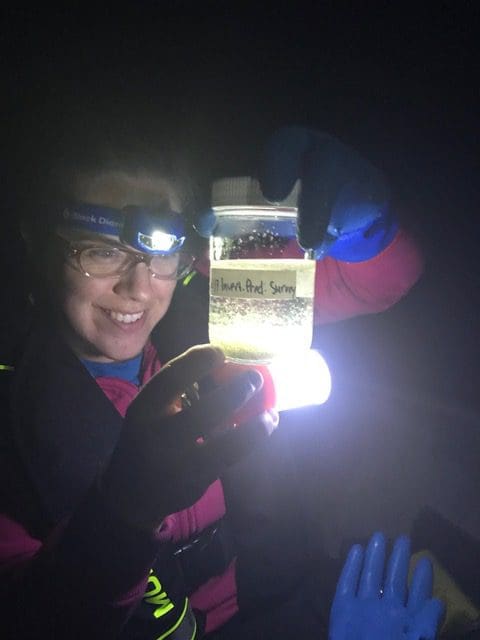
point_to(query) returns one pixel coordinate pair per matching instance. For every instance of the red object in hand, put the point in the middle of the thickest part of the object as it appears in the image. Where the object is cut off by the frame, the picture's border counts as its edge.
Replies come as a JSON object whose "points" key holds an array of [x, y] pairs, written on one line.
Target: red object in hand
{"points": [[262, 401]]}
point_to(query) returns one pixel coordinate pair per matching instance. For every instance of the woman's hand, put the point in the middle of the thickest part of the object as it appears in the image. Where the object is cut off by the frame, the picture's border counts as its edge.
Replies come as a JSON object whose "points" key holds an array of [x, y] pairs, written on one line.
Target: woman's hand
{"points": [[166, 457]]}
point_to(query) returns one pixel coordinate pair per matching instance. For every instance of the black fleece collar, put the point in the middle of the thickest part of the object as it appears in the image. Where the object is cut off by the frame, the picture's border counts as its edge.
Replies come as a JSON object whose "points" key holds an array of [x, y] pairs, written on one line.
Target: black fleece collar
{"points": [[64, 427]]}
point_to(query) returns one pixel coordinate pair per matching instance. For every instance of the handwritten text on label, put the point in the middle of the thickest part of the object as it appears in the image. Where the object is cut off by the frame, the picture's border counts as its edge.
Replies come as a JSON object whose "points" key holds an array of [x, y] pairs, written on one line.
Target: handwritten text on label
{"points": [[275, 285]]}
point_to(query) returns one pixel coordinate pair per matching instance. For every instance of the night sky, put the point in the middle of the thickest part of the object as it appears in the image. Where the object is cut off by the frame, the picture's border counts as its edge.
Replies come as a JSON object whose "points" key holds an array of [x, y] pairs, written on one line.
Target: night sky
{"points": [[399, 83]]}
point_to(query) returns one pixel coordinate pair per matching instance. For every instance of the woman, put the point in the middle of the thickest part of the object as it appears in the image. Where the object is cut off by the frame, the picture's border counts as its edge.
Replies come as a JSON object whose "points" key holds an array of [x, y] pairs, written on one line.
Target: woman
{"points": [[114, 502]]}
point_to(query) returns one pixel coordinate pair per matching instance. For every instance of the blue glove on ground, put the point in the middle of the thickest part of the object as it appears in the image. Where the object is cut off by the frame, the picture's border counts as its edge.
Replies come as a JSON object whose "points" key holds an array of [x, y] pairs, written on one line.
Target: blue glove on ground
{"points": [[343, 210], [368, 606]]}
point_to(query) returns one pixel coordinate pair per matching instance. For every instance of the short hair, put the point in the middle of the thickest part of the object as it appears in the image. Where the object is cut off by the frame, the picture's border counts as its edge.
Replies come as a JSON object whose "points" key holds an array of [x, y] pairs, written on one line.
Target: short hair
{"points": [[125, 173]]}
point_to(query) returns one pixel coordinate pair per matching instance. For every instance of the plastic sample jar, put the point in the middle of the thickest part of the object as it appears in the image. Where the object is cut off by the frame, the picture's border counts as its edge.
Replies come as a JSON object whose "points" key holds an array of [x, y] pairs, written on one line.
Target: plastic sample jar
{"points": [[261, 281]]}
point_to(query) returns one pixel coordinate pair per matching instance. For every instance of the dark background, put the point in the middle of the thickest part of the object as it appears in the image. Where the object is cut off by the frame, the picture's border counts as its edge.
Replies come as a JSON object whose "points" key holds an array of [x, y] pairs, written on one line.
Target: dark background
{"points": [[399, 83]]}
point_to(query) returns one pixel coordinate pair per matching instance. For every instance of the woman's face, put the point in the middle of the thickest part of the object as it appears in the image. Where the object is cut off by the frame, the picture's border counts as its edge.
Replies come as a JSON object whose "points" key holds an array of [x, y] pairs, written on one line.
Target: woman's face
{"points": [[110, 319]]}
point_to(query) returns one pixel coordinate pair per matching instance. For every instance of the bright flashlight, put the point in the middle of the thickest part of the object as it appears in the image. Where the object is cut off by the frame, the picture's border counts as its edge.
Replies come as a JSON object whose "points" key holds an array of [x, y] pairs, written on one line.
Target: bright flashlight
{"points": [[300, 380], [289, 382]]}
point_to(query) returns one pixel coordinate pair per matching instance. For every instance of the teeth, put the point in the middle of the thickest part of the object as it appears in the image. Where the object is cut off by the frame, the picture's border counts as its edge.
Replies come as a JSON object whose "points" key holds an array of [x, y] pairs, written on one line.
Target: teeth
{"points": [[125, 317]]}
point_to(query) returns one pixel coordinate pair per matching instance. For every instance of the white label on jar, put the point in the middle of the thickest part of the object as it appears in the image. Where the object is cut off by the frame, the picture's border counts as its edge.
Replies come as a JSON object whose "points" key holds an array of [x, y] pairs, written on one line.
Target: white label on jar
{"points": [[250, 279]]}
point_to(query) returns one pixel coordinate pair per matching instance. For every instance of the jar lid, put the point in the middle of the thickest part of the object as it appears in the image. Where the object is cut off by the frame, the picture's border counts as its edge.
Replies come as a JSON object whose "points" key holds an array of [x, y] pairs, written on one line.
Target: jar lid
{"points": [[245, 191]]}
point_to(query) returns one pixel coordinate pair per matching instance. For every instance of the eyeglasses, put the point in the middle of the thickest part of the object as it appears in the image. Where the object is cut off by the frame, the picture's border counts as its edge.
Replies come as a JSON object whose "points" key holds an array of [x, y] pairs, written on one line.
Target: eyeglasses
{"points": [[105, 261]]}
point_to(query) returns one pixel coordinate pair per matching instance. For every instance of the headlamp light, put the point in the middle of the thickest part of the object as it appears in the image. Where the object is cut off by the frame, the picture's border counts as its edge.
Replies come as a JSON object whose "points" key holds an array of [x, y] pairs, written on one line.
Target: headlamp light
{"points": [[152, 230]]}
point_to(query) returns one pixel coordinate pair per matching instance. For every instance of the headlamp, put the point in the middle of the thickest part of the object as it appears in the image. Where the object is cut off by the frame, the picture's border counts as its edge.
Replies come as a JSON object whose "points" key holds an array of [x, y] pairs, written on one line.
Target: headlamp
{"points": [[147, 229], [152, 230]]}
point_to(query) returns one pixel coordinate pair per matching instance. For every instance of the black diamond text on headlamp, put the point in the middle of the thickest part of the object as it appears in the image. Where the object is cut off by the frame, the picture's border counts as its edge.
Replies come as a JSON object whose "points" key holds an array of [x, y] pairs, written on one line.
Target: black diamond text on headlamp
{"points": [[153, 230]]}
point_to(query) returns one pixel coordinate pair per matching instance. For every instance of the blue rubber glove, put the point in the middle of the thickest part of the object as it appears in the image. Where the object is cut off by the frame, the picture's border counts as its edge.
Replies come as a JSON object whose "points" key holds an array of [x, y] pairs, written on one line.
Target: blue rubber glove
{"points": [[369, 606], [343, 210]]}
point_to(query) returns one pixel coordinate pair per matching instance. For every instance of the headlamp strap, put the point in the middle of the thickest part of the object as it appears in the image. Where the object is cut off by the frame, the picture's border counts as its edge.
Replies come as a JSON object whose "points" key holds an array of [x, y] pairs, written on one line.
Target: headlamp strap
{"points": [[94, 218]]}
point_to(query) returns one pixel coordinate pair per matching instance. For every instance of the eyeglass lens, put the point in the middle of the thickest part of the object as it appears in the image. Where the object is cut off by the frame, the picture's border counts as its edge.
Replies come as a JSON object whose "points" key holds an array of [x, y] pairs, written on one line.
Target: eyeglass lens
{"points": [[104, 261]]}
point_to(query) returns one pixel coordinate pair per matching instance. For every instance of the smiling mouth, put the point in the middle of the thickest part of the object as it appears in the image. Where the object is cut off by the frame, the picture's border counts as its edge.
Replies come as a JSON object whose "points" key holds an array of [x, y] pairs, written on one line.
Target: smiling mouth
{"points": [[125, 318]]}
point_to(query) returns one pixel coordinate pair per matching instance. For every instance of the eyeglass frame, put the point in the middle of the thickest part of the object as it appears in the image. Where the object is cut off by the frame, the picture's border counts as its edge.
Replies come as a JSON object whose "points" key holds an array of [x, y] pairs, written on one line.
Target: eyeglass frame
{"points": [[138, 258]]}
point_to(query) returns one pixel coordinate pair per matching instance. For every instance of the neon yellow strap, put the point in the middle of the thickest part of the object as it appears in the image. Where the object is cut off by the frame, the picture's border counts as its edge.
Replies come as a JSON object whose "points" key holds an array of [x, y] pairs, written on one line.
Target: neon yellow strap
{"points": [[190, 622], [6, 367]]}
